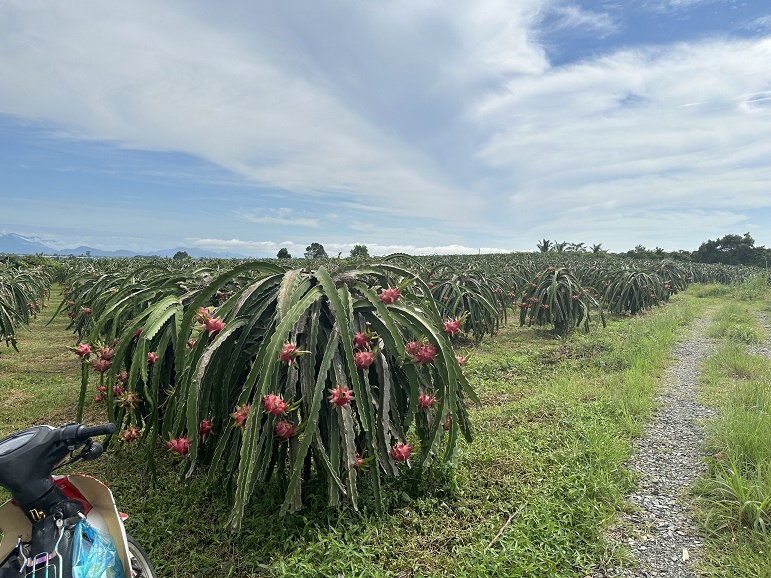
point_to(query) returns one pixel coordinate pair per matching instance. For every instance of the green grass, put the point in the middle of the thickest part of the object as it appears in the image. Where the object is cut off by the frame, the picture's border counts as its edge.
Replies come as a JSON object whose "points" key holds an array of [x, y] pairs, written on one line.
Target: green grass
{"points": [[532, 496], [40, 382], [734, 498]]}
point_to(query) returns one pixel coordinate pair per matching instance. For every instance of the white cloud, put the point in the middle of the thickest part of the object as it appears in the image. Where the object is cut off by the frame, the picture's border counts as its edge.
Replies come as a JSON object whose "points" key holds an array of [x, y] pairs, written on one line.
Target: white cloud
{"points": [[428, 125], [281, 216], [572, 16], [270, 248]]}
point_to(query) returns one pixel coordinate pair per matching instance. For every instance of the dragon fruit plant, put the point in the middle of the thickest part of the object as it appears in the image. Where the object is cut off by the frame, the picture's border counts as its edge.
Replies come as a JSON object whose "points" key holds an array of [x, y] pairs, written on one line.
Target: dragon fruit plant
{"points": [[342, 370], [555, 297], [284, 368]]}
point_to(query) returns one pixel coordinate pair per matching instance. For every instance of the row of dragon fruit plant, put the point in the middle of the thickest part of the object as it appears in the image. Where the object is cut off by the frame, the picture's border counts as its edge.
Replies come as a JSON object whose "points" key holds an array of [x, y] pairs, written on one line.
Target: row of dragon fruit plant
{"points": [[254, 370], [23, 293]]}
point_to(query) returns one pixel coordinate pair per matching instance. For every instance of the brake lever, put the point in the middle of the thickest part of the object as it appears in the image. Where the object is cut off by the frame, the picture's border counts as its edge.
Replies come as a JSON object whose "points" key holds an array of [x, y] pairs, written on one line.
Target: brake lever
{"points": [[91, 451]]}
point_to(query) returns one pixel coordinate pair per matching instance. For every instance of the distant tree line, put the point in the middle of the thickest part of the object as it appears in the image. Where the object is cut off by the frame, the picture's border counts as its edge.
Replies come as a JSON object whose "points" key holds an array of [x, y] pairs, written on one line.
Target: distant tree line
{"points": [[316, 251], [729, 250]]}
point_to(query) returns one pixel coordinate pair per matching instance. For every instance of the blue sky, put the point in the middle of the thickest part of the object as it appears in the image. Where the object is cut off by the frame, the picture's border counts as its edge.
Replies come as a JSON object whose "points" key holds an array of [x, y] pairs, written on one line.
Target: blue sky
{"points": [[442, 126]]}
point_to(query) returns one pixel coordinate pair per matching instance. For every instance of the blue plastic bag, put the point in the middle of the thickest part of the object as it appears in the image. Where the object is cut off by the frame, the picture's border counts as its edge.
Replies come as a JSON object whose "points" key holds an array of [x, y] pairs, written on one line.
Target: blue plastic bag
{"points": [[94, 554]]}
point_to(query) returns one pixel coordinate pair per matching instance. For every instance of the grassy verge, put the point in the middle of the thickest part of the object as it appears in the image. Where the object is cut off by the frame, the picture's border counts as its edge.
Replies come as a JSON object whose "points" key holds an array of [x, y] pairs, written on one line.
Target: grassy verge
{"points": [[41, 381], [734, 498], [531, 496]]}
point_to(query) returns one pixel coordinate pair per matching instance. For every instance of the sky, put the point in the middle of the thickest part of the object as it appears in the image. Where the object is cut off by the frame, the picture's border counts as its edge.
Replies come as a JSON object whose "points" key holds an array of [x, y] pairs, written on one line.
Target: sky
{"points": [[428, 127]]}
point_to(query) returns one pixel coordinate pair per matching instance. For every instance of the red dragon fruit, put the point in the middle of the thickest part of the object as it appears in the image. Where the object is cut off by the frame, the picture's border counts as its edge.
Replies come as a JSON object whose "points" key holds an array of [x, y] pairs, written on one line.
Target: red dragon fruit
{"points": [[340, 396], [401, 452], [363, 359], [274, 404], [129, 434], [421, 352], [102, 365], [289, 352], [83, 350], [425, 401], [152, 357], [179, 445], [361, 341], [284, 429], [452, 326], [390, 295], [240, 416], [106, 353], [214, 326], [205, 428]]}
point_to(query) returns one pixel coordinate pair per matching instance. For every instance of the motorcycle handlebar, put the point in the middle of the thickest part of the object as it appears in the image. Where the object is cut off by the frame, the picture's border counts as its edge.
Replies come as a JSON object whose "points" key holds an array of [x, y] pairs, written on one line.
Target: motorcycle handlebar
{"points": [[86, 431], [75, 434], [27, 458]]}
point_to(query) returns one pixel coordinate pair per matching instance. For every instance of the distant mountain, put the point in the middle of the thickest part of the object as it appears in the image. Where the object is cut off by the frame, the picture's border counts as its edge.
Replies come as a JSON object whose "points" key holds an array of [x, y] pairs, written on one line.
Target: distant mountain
{"points": [[13, 244], [17, 245]]}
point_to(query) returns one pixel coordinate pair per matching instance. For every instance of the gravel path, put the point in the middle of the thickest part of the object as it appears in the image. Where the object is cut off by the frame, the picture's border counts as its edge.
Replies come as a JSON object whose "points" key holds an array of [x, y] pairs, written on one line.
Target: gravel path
{"points": [[659, 532]]}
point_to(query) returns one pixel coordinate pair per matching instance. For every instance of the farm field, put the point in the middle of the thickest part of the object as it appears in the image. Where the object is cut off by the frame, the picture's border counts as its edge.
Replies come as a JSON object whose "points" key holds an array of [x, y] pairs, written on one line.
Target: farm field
{"points": [[532, 493]]}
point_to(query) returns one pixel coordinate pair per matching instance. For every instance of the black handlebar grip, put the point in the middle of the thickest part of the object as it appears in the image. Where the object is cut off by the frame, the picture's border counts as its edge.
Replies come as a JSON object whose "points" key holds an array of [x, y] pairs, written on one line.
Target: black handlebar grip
{"points": [[87, 431]]}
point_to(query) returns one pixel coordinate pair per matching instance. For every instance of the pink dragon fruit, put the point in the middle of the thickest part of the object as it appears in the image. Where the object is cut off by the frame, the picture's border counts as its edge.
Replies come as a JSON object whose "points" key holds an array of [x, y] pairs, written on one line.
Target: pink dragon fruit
{"points": [[421, 351], [361, 341], [204, 428], [390, 295], [102, 365], [240, 416], [284, 429], [289, 352], [129, 434], [452, 326], [106, 353], [425, 401], [274, 404], [363, 359], [214, 326], [83, 350], [401, 452], [340, 396], [179, 445]]}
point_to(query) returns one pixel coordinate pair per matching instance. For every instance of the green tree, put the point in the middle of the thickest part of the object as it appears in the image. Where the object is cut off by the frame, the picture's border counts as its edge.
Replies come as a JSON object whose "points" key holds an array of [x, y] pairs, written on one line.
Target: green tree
{"points": [[731, 250], [544, 246], [283, 253], [180, 255], [359, 252], [315, 251]]}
